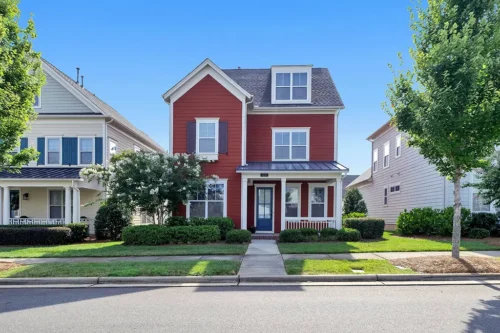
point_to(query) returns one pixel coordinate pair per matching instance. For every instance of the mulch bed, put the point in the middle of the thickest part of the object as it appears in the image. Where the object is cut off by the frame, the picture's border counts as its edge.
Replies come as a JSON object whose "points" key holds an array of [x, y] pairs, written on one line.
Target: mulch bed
{"points": [[447, 264], [5, 266]]}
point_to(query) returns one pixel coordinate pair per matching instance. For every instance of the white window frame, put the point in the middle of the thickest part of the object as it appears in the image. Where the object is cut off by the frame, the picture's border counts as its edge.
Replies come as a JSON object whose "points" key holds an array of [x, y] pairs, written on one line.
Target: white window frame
{"points": [[386, 196], [298, 187], [39, 105], [394, 186], [311, 187], [206, 201], [111, 141], [209, 156], [16, 150], [375, 161], [63, 202], [137, 149], [291, 70], [472, 180], [79, 149], [290, 130], [398, 145], [47, 138], [388, 145]]}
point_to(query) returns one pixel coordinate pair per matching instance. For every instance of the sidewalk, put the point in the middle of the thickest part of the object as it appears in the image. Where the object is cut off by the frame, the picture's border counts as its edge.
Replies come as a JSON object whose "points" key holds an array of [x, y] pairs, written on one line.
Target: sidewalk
{"points": [[262, 258]]}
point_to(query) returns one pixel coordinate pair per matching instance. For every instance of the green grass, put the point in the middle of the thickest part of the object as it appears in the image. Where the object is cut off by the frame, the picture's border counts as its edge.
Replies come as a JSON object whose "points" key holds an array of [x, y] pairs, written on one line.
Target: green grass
{"points": [[116, 249], [389, 243], [167, 268], [326, 267]]}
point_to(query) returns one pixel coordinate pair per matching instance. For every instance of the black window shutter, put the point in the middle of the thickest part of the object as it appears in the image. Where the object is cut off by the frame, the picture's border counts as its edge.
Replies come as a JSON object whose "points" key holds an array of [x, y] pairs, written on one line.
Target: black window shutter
{"points": [[191, 137], [223, 137]]}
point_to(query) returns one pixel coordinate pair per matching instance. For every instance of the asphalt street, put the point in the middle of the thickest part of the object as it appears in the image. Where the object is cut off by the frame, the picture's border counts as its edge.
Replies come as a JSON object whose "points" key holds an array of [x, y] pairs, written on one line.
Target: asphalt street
{"points": [[253, 309]]}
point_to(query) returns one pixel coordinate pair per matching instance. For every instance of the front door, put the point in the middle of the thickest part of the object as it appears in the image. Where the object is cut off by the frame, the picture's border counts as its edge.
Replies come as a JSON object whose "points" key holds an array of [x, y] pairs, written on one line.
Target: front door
{"points": [[264, 206]]}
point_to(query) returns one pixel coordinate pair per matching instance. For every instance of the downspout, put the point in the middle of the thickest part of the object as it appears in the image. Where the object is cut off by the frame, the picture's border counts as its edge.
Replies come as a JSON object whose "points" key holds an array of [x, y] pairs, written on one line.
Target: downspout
{"points": [[244, 130], [106, 147], [336, 136]]}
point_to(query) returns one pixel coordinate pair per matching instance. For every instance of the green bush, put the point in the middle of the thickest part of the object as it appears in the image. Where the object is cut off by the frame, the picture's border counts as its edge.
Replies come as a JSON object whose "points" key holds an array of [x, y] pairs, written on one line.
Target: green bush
{"points": [[161, 235], [79, 231], [445, 226], [35, 236], [291, 236], [110, 220], [486, 221], [225, 224], [479, 233], [348, 235], [353, 215], [238, 236], [428, 221], [176, 221], [310, 234], [328, 234], [370, 228]]}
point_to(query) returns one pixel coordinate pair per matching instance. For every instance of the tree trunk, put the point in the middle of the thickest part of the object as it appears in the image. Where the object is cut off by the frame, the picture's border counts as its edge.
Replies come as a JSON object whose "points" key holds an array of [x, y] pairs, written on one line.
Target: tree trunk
{"points": [[457, 216]]}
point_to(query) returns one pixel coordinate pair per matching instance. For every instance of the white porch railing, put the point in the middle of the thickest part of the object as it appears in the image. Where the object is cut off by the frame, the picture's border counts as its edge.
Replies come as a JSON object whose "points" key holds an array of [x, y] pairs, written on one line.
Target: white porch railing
{"points": [[309, 222], [39, 221]]}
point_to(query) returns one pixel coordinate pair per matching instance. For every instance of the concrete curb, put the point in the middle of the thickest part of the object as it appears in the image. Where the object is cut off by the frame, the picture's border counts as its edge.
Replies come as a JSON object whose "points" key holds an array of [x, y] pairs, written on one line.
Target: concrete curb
{"points": [[53, 281], [223, 279], [308, 278]]}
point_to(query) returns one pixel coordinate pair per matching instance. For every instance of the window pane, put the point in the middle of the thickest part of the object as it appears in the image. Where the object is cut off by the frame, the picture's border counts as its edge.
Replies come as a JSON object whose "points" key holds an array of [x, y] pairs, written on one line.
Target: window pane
{"points": [[215, 209], [207, 145], [282, 138], [283, 93], [292, 210], [283, 79], [298, 153], [299, 138], [112, 148], [53, 158], [478, 203], [37, 101], [86, 145], [55, 198], [386, 150], [216, 192], [318, 210], [85, 158], [53, 145], [299, 79], [299, 93], [292, 195], [318, 195], [282, 153], [55, 212], [197, 209]]}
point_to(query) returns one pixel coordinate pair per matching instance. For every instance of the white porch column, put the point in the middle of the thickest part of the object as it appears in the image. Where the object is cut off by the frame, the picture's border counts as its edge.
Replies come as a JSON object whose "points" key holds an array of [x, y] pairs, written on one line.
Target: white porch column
{"points": [[6, 205], [67, 205], [283, 202], [338, 203], [244, 202], [1, 215], [76, 204]]}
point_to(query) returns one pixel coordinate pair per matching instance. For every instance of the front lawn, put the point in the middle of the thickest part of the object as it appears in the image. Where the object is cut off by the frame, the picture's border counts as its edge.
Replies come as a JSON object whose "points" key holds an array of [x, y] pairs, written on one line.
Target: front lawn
{"points": [[157, 268], [326, 267], [390, 242], [116, 249]]}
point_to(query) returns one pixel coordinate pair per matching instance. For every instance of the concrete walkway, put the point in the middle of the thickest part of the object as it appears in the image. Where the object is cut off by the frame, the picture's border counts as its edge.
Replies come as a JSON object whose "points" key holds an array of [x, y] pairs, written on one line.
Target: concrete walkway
{"points": [[262, 258], [390, 255]]}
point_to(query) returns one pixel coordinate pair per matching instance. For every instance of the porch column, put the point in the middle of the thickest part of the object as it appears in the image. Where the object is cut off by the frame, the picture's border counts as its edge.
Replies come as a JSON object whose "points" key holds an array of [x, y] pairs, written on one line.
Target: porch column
{"points": [[283, 202], [6, 205], [67, 205], [1, 214], [76, 204], [244, 202], [338, 203]]}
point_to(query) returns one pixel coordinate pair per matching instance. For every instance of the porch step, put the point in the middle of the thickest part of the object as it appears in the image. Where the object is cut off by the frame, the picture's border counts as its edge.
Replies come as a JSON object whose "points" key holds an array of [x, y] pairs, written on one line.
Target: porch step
{"points": [[265, 236]]}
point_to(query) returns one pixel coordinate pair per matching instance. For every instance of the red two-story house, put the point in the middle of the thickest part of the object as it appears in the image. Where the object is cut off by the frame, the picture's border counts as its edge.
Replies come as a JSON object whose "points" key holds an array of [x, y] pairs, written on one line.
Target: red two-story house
{"points": [[271, 135]]}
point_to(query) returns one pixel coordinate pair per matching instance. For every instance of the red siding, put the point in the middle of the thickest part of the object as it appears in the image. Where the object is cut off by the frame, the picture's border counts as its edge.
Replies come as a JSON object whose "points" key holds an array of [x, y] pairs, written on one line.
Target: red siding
{"points": [[209, 99], [259, 134]]}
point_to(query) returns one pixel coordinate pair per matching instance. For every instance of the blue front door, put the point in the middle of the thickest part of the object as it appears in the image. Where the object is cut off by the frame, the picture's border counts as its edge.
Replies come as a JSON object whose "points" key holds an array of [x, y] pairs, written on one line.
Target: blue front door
{"points": [[264, 209]]}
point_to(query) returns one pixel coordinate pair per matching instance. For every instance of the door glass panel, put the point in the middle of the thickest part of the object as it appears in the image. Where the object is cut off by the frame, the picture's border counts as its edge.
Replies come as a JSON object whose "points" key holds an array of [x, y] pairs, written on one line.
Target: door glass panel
{"points": [[14, 203]]}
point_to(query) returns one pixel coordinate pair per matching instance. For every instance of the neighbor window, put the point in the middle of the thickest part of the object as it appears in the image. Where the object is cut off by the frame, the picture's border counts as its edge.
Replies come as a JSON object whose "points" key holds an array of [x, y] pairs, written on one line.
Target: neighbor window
{"points": [[386, 154], [86, 150], [137, 149], [398, 146], [479, 204], [38, 102], [112, 147], [375, 160], [209, 202], [207, 136], [283, 86], [291, 86], [317, 201], [292, 197], [291, 144], [56, 204], [395, 188], [386, 201], [53, 150]]}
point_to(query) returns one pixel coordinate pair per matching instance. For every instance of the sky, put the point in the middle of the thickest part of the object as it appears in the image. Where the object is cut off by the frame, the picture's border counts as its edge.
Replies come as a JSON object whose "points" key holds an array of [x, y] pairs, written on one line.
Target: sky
{"points": [[131, 52]]}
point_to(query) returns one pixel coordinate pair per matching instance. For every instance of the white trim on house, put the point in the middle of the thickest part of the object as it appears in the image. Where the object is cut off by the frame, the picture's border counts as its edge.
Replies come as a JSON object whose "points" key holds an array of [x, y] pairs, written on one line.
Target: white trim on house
{"points": [[398, 145], [208, 182], [387, 153], [47, 150], [290, 130], [291, 70], [295, 110], [39, 105], [336, 136], [273, 186], [205, 155], [171, 129], [385, 196], [112, 141], [375, 163], [298, 186], [63, 205], [79, 150], [396, 187], [311, 187]]}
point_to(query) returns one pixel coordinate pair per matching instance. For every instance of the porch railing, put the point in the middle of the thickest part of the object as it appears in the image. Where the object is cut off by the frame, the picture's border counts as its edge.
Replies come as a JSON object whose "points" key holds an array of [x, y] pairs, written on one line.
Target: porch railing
{"points": [[39, 221], [306, 222]]}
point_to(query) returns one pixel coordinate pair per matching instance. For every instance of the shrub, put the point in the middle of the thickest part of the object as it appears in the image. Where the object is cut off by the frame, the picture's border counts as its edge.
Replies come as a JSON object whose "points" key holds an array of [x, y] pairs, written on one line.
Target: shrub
{"points": [[370, 228], [310, 234], [291, 236], [428, 221], [110, 220], [225, 224], [238, 236], [486, 221], [479, 233], [328, 234], [348, 235], [444, 227], [353, 202], [161, 235], [176, 221], [35, 236], [79, 231], [353, 215]]}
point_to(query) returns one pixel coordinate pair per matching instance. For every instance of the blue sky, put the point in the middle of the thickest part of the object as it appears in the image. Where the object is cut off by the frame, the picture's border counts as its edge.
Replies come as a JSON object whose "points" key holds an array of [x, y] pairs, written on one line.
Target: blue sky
{"points": [[131, 52]]}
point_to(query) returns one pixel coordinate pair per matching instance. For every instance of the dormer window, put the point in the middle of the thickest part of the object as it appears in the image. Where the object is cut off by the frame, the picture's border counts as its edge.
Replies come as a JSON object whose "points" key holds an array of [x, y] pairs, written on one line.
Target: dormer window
{"points": [[291, 84]]}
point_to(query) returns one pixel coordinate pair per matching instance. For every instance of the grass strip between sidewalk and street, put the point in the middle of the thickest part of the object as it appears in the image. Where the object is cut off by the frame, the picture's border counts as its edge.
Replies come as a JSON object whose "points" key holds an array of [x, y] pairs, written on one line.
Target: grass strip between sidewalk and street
{"points": [[331, 267], [117, 249], [390, 242], [123, 269]]}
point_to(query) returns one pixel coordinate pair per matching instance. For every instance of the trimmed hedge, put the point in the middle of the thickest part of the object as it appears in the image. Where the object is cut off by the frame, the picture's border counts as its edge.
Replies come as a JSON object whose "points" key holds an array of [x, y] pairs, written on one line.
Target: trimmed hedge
{"points": [[238, 236], [176, 221], [310, 234], [370, 228], [328, 234], [291, 236], [479, 233], [110, 220], [486, 221], [79, 231], [162, 235], [428, 221], [35, 236], [348, 235], [353, 215], [225, 224]]}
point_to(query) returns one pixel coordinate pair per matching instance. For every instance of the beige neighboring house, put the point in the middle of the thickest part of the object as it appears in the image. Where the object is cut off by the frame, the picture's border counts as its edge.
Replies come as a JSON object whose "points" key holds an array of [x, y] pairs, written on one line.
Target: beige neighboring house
{"points": [[74, 129], [401, 178]]}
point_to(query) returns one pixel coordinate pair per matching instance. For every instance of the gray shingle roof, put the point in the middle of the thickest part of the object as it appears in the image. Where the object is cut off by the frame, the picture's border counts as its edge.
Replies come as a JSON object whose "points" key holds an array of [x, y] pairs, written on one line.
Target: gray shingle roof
{"points": [[292, 166], [346, 181], [258, 83], [43, 173]]}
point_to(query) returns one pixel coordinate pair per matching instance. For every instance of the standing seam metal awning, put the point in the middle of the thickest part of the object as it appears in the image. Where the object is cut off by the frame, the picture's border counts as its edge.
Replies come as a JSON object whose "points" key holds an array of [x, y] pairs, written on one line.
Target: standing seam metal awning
{"points": [[323, 166]]}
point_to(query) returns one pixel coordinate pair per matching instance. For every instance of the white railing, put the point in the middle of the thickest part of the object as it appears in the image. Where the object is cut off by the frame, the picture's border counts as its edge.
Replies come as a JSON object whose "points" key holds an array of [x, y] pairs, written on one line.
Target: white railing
{"points": [[39, 221], [309, 222]]}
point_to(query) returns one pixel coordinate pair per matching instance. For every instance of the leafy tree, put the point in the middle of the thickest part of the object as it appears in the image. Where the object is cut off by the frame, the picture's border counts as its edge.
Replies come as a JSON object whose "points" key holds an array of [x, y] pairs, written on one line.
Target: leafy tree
{"points": [[21, 78], [151, 183], [110, 220], [449, 102], [354, 203], [489, 184]]}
